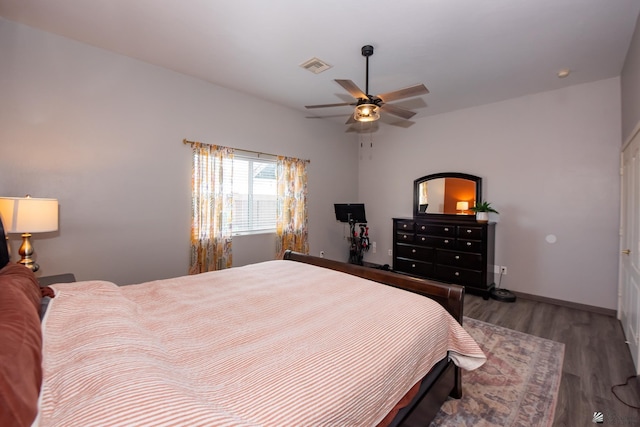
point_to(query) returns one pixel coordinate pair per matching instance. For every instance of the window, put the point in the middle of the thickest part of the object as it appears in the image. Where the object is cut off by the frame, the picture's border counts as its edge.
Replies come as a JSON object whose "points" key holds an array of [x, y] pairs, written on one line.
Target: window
{"points": [[254, 195], [233, 192]]}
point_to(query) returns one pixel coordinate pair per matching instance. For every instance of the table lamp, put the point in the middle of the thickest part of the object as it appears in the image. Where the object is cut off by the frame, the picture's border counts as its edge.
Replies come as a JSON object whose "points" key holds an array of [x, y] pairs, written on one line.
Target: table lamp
{"points": [[26, 215], [462, 206]]}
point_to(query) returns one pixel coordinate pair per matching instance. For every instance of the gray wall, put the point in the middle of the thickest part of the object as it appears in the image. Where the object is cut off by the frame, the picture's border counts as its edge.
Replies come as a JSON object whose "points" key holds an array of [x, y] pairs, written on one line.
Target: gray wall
{"points": [[550, 165], [630, 86], [103, 134]]}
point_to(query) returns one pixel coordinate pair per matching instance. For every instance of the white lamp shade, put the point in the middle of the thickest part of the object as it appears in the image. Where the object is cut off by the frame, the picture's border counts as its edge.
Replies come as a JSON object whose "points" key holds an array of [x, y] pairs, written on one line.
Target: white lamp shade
{"points": [[462, 206], [29, 214]]}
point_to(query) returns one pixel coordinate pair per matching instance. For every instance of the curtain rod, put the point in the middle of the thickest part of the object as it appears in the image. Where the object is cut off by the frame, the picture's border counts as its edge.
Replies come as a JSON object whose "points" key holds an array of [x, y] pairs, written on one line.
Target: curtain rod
{"points": [[185, 141]]}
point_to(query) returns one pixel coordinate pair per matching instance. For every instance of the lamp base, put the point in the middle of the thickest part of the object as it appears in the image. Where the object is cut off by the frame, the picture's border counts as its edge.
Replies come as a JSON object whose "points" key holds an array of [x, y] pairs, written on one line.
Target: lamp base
{"points": [[30, 264], [26, 251]]}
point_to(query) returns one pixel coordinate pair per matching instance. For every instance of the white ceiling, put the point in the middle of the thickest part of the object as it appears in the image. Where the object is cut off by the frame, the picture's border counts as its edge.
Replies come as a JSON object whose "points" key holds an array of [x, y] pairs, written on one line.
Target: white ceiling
{"points": [[467, 52]]}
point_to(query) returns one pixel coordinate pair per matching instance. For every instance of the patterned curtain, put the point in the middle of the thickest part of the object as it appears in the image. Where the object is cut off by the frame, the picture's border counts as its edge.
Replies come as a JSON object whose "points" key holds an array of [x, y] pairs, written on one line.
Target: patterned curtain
{"points": [[211, 209], [291, 222]]}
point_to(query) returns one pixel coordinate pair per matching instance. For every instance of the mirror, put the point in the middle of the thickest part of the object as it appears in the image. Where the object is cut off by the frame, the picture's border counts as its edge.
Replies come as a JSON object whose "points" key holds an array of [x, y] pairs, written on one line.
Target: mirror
{"points": [[446, 193]]}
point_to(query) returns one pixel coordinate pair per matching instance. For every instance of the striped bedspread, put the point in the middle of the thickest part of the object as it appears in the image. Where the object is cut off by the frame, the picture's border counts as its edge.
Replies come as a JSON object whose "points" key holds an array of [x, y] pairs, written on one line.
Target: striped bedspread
{"points": [[278, 343]]}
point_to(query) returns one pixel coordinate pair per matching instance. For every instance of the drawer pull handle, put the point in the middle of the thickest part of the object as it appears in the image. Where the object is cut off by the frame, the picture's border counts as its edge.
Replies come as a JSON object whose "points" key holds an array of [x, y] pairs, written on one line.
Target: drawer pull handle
{"points": [[468, 243], [446, 241], [446, 229], [423, 227], [413, 251], [424, 238], [404, 226], [457, 256], [468, 231], [457, 274], [413, 266], [404, 236]]}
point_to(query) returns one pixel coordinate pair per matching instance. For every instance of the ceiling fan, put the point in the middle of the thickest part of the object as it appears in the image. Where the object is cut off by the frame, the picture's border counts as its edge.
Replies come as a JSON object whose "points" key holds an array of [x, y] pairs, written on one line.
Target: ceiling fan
{"points": [[368, 107]]}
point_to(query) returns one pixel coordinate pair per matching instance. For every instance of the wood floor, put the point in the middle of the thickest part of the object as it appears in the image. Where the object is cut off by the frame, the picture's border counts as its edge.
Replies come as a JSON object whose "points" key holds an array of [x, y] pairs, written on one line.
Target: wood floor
{"points": [[596, 357]]}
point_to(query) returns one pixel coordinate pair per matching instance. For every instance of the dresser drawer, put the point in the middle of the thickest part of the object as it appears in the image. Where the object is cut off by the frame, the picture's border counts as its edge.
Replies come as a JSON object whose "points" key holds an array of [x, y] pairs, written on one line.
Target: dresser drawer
{"points": [[407, 237], [471, 233], [420, 253], [436, 229], [460, 259], [469, 245], [461, 276], [436, 242], [405, 225], [418, 268], [421, 239]]}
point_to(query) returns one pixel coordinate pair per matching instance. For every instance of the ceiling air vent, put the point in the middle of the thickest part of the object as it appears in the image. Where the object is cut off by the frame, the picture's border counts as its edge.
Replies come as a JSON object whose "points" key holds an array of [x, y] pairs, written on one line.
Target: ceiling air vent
{"points": [[315, 65]]}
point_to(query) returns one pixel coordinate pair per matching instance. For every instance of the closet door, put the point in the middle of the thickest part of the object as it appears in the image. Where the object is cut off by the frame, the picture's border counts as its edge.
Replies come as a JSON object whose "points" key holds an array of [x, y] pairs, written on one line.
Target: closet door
{"points": [[629, 292]]}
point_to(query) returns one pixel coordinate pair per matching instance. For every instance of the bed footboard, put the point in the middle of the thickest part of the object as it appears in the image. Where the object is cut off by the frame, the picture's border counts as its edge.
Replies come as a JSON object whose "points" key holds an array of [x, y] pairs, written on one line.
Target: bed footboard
{"points": [[450, 296]]}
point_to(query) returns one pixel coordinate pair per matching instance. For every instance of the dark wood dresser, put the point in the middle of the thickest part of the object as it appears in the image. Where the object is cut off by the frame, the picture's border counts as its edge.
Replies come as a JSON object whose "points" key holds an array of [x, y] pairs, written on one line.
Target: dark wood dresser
{"points": [[448, 250]]}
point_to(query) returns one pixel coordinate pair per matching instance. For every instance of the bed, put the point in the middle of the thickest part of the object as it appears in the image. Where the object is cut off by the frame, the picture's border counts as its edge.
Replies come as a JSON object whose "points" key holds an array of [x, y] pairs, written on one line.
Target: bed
{"points": [[302, 341]]}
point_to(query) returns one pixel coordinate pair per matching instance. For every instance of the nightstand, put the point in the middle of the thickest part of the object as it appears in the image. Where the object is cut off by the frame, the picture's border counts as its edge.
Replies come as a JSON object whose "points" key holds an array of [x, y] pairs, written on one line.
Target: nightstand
{"points": [[58, 278]]}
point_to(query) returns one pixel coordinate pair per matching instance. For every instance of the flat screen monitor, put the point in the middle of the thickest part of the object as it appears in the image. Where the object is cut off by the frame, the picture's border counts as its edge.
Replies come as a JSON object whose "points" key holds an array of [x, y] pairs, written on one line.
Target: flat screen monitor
{"points": [[350, 211]]}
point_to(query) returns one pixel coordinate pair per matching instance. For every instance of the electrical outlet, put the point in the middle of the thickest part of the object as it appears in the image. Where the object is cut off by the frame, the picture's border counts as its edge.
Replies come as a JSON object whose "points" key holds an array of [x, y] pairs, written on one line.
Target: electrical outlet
{"points": [[390, 252], [374, 247], [503, 270], [321, 254]]}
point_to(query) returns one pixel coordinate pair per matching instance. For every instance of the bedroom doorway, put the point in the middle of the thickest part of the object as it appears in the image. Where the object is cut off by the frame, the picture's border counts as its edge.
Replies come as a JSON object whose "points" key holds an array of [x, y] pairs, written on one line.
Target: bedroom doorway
{"points": [[629, 285]]}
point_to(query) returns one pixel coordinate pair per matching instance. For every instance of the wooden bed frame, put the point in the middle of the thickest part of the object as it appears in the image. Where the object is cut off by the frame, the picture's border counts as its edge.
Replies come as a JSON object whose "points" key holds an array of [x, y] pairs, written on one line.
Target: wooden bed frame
{"points": [[426, 404]]}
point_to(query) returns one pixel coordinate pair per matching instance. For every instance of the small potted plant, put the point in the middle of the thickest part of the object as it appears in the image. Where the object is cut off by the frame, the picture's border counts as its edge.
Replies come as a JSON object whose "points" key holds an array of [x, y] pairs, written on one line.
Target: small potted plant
{"points": [[482, 210]]}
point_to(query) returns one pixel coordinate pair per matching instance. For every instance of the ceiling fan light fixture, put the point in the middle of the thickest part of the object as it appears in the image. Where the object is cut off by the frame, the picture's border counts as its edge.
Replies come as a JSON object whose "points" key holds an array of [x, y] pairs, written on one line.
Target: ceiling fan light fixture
{"points": [[368, 107], [367, 113]]}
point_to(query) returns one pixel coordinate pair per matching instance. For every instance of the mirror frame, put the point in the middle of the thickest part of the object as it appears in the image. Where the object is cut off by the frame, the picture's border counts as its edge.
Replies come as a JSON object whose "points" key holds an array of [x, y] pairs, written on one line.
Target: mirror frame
{"points": [[416, 194]]}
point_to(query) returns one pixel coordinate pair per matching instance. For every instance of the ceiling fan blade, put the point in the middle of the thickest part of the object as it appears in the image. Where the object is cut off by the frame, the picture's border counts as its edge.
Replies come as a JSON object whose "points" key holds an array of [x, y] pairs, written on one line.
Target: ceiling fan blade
{"points": [[350, 120], [407, 92], [351, 87], [329, 116], [397, 111], [340, 104]]}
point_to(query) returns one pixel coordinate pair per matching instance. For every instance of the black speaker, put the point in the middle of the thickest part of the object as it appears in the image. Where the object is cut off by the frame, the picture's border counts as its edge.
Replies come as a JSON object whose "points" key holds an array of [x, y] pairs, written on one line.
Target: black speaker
{"points": [[503, 295]]}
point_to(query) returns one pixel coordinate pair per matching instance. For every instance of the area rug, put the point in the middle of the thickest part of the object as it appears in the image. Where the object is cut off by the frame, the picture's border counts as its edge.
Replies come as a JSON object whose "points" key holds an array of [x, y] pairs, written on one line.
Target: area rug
{"points": [[517, 386]]}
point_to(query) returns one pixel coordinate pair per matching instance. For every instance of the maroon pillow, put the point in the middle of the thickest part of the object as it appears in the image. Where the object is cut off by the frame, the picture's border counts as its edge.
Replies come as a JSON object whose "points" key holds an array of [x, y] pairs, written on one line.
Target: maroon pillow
{"points": [[21, 349]]}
